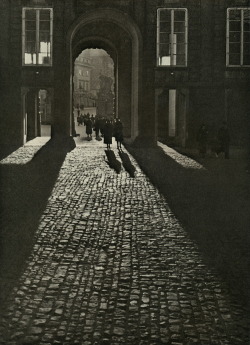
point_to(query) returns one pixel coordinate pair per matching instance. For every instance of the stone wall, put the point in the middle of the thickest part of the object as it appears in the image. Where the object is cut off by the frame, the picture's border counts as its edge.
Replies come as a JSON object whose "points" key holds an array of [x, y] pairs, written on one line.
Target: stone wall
{"points": [[205, 80], [10, 59], [206, 76]]}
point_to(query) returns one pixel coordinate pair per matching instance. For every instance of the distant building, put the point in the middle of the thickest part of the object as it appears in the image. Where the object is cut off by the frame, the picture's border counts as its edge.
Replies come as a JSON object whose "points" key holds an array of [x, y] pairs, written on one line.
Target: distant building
{"points": [[105, 97], [102, 65], [82, 82], [90, 65]]}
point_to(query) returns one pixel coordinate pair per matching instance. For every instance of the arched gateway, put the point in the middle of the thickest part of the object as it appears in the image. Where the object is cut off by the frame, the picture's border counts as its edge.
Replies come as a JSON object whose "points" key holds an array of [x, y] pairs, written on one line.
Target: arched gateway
{"points": [[111, 30]]}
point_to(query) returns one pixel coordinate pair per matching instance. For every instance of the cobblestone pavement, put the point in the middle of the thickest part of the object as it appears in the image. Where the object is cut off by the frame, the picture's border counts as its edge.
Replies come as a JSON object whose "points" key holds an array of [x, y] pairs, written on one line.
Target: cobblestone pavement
{"points": [[184, 161], [22, 155], [111, 264]]}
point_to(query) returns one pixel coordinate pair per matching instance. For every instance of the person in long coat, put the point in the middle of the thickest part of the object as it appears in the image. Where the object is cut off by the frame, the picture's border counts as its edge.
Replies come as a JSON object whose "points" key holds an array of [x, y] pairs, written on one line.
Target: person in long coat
{"points": [[89, 126], [97, 127], [202, 140], [224, 140], [118, 133], [102, 124], [108, 133]]}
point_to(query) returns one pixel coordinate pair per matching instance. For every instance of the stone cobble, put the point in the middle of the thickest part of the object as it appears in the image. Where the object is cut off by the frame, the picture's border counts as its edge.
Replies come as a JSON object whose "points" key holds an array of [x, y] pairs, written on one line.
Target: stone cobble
{"points": [[25, 153], [184, 161], [111, 264], [21, 156]]}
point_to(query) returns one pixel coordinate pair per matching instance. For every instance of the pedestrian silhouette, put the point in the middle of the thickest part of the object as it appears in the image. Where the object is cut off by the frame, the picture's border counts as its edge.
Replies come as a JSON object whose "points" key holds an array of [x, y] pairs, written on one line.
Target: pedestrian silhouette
{"points": [[224, 140], [108, 133], [89, 125], [118, 133], [202, 140], [97, 127]]}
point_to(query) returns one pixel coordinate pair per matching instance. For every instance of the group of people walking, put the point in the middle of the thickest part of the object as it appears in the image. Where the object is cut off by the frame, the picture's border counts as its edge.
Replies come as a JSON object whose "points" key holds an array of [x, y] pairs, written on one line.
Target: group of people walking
{"points": [[218, 144], [81, 118], [113, 129], [105, 128]]}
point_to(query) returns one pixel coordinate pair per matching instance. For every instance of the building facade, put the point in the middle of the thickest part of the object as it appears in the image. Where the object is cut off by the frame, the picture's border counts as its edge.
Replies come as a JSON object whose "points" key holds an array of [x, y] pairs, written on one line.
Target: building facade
{"points": [[82, 82], [178, 63], [102, 65], [90, 66]]}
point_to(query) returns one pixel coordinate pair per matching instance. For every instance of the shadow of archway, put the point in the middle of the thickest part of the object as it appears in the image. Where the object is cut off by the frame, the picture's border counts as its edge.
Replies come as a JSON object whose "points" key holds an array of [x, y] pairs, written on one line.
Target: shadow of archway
{"points": [[212, 205], [24, 192]]}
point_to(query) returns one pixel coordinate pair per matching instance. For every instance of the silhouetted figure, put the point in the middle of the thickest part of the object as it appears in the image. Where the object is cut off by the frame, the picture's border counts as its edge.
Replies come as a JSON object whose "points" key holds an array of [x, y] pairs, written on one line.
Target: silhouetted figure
{"points": [[81, 119], [202, 140], [224, 140], [102, 125], [118, 133], [108, 133], [97, 127], [89, 125]]}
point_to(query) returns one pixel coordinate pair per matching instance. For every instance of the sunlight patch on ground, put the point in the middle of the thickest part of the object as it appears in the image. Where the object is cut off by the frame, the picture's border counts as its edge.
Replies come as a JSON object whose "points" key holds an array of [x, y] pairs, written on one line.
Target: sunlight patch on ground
{"points": [[184, 161], [25, 154], [38, 141]]}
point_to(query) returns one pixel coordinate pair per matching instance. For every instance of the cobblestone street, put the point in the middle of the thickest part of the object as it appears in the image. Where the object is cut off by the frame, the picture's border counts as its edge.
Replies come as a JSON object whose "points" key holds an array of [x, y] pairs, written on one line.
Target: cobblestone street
{"points": [[110, 263]]}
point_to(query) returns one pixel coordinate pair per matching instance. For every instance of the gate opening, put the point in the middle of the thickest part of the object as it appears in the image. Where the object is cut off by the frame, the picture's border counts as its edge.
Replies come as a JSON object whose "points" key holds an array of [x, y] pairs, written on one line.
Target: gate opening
{"points": [[94, 87]]}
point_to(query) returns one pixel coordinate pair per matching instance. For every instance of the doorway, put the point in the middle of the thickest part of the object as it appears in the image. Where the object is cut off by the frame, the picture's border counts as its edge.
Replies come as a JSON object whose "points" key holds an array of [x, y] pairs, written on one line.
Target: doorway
{"points": [[172, 116], [37, 114]]}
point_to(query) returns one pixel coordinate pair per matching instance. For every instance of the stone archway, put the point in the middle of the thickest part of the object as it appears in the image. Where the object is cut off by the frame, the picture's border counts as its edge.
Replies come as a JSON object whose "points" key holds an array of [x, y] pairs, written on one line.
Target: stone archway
{"points": [[113, 22]]}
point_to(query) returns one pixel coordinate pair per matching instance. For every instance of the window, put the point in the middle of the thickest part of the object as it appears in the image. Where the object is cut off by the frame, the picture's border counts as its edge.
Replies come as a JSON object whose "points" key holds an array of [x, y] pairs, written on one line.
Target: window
{"points": [[86, 86], [37, 36], [238, 37], [172, 37]]}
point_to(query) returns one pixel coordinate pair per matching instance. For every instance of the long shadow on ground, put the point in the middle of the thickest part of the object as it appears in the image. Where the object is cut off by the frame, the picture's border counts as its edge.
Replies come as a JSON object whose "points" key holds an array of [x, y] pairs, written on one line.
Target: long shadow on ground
{"points": [[213, 206], [24, 192], [128, 166], [112, 161]]}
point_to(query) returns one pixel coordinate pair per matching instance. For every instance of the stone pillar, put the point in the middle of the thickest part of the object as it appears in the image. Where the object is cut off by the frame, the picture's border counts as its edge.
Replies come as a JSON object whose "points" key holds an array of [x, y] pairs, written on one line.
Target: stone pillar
{"points": [[61, 63], [124, 86], [147, 123]]}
